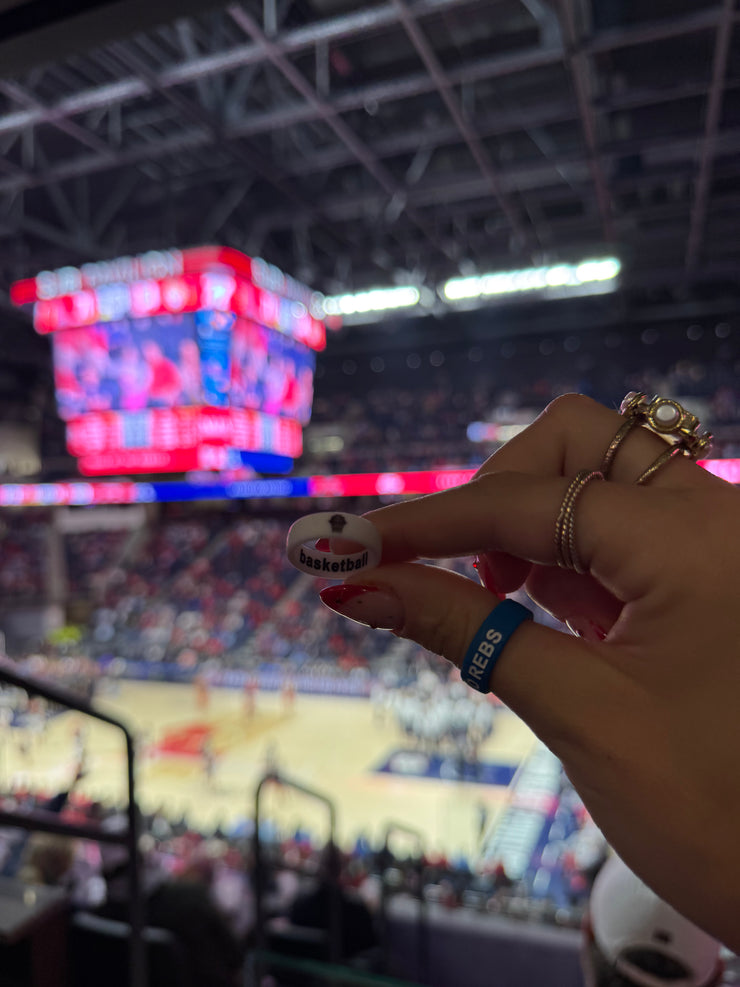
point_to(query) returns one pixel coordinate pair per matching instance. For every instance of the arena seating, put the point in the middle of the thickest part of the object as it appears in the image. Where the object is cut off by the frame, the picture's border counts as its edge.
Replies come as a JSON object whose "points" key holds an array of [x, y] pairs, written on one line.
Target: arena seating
{"points": [[417, 419], [98, 943], [197, 587], [217, 588], [23, 548], [91, 558]]}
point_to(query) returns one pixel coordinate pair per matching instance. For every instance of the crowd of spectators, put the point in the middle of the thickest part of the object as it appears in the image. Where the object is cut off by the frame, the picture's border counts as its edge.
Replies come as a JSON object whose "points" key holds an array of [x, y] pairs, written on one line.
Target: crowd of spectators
{"points": [[240, 608], [214, 589], [415, 413], [197, 588], [195, 887], [213, 593], [91, 561], [77, 675], [201, 885], [309, 637]]}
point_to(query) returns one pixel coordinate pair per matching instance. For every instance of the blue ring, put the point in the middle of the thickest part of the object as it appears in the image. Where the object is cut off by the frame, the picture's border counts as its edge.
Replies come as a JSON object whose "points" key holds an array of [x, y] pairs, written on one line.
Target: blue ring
{"points": [[489, 642]]}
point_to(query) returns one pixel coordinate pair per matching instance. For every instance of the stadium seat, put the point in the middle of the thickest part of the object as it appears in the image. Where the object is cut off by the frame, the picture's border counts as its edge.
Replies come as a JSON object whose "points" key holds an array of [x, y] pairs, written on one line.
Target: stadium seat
{"points": [[297, 941], [99, 954]]}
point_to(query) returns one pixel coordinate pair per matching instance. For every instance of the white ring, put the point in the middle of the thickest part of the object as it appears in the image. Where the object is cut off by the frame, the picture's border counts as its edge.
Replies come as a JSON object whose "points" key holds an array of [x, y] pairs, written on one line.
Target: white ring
{"points": [[332, 524]]}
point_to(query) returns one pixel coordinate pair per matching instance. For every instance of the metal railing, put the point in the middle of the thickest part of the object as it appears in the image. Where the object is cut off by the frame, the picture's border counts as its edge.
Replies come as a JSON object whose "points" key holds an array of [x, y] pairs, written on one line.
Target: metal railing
{"points": [[260, 866], [49, 822], [386, 891]]}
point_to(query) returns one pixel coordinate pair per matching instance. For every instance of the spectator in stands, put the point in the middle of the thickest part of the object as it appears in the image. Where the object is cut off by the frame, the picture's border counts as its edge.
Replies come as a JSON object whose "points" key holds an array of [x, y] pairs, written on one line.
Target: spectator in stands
{"points": [[59, 861], [312, 908], [41, 858], [183, 905], [633, 939], [648, 737], [48, 859]]}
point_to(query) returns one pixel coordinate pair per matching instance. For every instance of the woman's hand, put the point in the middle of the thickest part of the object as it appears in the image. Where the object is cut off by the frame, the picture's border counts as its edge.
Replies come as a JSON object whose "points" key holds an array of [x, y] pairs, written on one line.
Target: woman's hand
{"points": [[643, 708]]}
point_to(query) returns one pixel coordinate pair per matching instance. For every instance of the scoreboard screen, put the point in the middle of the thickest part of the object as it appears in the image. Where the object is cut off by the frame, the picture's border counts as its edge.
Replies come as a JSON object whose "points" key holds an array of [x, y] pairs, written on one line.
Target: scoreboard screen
{"points": [[169, 361], [208, 367]]}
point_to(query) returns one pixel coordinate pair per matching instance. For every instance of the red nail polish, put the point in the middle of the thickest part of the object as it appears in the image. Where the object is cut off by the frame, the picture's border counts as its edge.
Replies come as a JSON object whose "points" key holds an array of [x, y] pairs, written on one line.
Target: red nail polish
{"points": [[598, 631], [485, 574], [323, 545], [369, 605], [587, 629]]}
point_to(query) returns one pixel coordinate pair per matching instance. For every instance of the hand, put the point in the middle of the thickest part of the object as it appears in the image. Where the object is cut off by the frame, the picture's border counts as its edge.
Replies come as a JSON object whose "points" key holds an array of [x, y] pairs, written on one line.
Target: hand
{"points": [[642, 709]]}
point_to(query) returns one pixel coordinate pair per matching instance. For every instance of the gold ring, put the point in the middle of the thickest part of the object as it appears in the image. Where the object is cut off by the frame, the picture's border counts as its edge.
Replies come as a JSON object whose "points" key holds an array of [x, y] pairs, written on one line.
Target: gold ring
{"points": [[662, 459], [668, 419], [665, 418], [566, 553], [624, 430]]}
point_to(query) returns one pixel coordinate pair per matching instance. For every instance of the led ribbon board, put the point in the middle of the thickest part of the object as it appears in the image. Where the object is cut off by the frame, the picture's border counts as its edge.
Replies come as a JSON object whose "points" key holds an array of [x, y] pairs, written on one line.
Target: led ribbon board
{"points": [[323, 487]]}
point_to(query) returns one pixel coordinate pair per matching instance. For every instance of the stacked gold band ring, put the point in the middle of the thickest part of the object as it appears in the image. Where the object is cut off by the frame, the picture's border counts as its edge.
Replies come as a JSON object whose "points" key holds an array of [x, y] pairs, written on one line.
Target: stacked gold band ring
{"points": [[566, 552], [606, 463]]}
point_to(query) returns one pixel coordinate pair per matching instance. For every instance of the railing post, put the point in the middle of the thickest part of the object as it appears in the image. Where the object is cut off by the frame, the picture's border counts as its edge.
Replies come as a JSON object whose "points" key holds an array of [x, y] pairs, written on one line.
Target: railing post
{"points": [[46, 822], [422, 941], [335, 913]]}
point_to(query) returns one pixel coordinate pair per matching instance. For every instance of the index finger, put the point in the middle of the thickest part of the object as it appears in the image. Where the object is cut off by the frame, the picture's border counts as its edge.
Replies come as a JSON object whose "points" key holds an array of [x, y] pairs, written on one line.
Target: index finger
{"points": [[516, 513], [574, 432]]}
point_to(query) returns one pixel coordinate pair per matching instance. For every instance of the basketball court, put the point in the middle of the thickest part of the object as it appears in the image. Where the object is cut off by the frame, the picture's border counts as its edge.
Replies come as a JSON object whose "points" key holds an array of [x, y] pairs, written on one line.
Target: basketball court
{"points": [[334, 745]]}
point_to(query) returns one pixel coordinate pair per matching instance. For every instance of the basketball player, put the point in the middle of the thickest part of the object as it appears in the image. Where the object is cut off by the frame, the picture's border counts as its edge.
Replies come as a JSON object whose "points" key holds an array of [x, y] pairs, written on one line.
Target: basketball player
{"points": [[208, 756], [251, 685], [202, 693], [287, 694]]}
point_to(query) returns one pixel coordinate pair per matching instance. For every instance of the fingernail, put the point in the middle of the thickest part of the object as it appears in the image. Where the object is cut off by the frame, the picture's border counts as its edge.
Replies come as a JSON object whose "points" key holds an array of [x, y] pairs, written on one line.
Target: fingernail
{"points": [[365, 604], [485, 574], [587, 629], [323, 545]]}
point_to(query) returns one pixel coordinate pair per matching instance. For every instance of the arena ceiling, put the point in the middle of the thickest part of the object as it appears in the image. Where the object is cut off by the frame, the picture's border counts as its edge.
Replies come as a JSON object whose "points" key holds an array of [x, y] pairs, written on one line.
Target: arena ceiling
{"points": [[404, 140]]}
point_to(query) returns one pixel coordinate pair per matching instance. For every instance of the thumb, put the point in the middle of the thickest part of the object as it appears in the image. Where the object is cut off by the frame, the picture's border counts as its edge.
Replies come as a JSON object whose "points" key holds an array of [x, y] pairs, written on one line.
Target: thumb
{"points": [[554, 681]]}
